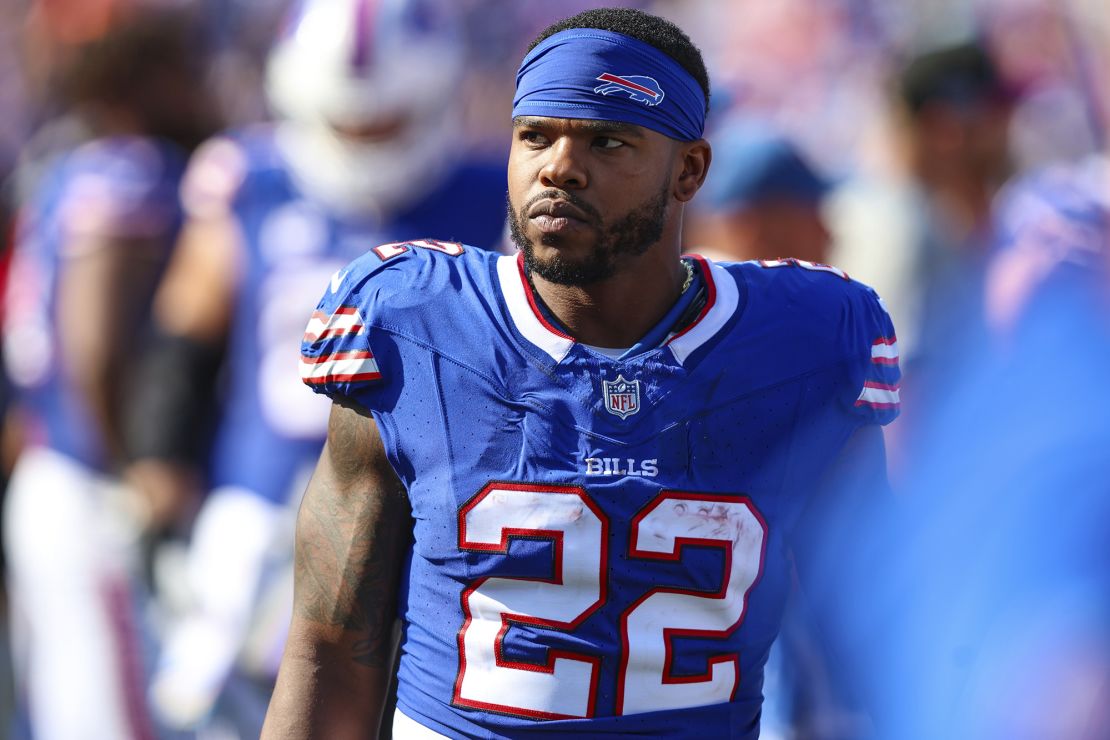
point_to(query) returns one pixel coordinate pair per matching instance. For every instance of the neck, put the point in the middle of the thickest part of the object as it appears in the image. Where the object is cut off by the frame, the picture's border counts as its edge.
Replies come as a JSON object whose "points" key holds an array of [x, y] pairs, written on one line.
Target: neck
{"points": [[617, 312]]}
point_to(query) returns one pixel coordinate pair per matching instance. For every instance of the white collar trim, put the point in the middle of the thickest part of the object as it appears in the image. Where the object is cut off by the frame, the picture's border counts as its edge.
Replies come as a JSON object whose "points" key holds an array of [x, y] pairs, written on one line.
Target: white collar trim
{"points": [[524, 316], [723, 299]]}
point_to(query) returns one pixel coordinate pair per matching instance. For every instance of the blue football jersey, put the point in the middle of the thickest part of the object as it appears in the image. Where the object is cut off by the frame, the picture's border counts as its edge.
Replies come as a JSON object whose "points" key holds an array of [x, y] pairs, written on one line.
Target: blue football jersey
{"points": [[600, 545], [119, 188], [270, 431], [1052, 225]]}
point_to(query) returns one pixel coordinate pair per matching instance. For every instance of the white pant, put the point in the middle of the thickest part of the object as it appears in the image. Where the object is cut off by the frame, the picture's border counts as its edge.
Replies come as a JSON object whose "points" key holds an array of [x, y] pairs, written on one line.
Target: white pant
{"points": [[406, 728], [237, 538], [76, 637]]}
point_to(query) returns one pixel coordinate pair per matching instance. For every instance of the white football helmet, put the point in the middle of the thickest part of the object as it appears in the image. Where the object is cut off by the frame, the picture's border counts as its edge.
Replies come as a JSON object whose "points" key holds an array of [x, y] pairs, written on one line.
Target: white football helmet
{"points": [[393, 67]]}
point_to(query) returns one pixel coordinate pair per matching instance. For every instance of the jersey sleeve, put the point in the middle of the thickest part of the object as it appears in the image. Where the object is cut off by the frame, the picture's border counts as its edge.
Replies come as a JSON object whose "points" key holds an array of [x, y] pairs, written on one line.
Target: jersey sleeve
{"points": [[379, 319], [1046, 222], [119, 189], [336, 357], [875, 373]]}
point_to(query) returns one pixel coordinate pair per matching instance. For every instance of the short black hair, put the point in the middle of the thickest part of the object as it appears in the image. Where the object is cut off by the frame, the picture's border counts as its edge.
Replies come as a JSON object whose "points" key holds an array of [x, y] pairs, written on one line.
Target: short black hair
{"points": [[651, 29]]}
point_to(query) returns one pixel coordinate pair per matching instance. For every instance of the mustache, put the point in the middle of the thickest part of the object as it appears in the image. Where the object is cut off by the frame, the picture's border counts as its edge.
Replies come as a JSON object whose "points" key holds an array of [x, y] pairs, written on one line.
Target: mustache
{"points": [[556, 194]]}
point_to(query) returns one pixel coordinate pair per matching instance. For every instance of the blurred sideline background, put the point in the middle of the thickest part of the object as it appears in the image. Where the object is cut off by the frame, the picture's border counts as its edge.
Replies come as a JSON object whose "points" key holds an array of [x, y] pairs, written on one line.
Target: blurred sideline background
{"points": [[175, 190]]}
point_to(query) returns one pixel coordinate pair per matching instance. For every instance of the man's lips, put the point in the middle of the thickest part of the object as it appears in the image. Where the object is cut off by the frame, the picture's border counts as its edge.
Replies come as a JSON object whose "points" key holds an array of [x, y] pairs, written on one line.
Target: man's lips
{"points": [[551, 215], [557, 209]]}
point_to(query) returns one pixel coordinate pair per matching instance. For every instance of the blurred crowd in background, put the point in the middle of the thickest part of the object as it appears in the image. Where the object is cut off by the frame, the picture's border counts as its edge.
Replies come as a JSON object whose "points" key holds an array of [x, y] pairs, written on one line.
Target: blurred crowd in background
{"points": [[179, 179]]}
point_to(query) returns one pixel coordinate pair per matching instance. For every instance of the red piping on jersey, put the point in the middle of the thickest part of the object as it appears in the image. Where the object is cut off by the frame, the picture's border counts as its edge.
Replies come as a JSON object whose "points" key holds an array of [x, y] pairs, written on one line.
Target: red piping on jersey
{"points": [[532, 302], [710, 299]]}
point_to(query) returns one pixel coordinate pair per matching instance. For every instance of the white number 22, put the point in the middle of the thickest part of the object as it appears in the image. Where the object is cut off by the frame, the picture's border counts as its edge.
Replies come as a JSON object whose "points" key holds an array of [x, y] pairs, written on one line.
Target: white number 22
{"points": [[566, 685]]}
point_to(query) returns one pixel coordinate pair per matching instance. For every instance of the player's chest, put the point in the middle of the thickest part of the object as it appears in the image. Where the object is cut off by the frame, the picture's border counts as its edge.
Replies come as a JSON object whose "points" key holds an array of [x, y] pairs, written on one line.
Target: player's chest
{"points": [[620, 439]]}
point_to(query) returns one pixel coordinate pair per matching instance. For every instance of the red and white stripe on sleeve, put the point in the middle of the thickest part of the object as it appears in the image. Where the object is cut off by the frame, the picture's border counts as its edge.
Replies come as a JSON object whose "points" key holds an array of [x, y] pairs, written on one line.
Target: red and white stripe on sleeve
{"points": [[335, 350], [882, 381]]}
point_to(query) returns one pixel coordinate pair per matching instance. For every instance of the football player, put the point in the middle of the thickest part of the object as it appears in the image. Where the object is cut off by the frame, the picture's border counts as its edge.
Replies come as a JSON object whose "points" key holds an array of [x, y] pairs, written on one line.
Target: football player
{"points": [[578, 473], [94, 235], [360, 154]]}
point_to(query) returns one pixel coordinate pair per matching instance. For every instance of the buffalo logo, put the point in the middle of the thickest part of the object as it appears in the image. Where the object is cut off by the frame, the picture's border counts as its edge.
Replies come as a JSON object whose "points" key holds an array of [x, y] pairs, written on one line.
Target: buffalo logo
{"points": [[641, 89], [622, 397]]}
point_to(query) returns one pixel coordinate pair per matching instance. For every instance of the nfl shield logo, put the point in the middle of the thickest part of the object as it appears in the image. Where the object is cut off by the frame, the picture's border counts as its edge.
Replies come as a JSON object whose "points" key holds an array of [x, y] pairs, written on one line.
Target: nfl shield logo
{"points": [[622, 397]]}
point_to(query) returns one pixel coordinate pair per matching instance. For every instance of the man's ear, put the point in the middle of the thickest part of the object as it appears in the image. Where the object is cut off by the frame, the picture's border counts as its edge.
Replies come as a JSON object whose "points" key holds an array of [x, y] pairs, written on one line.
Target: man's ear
{"points": [[695, 157]]}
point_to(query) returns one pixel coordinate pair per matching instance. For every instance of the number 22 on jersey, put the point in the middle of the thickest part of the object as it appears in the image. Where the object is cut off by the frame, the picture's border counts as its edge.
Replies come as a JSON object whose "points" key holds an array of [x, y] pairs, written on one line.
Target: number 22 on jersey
{"points": [[566, 685]]}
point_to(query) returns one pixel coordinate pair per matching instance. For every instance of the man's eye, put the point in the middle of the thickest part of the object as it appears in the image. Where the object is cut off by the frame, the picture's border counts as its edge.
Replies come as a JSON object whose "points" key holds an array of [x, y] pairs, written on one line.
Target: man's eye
{"points": [[533, 137], [608, 142]]}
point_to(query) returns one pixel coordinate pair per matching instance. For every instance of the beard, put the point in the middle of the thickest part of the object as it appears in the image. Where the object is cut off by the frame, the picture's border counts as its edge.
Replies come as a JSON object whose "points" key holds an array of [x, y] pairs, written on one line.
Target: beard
{"points": [[629, 236]]}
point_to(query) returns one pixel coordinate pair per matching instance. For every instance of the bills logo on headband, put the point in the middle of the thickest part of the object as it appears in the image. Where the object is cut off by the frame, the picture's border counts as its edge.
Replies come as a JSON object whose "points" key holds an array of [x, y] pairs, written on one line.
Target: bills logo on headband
{"points": [[641, 89], [622, 397]]}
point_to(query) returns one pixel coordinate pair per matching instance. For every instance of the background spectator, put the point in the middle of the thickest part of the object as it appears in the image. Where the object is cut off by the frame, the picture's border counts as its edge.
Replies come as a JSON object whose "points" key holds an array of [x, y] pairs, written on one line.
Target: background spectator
{"points": [[764, 201]]}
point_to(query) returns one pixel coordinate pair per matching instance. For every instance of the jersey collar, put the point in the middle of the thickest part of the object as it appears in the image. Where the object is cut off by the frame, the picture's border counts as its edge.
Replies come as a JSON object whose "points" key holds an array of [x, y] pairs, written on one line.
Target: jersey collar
{"points": [[721, 304]]}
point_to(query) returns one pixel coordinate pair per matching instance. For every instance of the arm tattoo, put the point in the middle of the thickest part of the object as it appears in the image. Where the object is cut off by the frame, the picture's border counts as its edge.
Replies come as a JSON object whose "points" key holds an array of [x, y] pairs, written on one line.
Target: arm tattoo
{"points": [[352, 531]]}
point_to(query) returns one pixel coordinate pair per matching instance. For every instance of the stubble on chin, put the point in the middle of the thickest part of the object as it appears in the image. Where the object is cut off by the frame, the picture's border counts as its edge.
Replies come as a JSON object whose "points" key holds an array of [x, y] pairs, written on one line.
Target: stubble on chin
{"points": [[630, 236]]}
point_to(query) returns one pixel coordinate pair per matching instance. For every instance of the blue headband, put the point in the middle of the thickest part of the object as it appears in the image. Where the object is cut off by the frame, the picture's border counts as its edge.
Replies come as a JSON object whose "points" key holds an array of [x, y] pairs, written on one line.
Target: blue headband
{"points": [[606, 76]]}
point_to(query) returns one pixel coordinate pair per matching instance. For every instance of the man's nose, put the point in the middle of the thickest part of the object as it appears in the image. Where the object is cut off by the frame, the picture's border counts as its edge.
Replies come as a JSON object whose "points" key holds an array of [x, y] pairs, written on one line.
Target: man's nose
{"points": [[565, 167]]}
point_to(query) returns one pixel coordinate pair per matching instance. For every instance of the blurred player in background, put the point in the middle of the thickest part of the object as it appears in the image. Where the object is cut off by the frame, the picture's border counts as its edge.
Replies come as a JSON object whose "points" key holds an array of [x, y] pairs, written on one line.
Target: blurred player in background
{"points": [[94, 235], [362, 154]]}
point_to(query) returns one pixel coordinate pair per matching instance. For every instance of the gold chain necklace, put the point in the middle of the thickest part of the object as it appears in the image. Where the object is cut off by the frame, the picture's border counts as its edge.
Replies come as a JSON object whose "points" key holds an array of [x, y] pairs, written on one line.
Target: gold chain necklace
{"points": [[689, 274]]}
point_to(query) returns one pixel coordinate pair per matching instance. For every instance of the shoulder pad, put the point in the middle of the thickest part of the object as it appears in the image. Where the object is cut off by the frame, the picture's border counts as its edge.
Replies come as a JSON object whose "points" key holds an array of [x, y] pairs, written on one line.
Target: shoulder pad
{"points": [[121, 187], [336, 354], [851, 322]]}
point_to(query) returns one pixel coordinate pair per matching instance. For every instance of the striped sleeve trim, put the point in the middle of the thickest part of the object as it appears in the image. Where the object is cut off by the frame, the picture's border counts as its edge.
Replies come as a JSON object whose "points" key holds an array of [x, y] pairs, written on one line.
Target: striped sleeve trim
{"points": [[879, 396], [346, 320], [884, 351], [339, 367]]}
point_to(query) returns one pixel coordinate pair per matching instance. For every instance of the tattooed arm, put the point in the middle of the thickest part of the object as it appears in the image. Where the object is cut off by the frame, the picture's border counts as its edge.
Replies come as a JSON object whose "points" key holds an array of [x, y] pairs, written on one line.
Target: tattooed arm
{"points": [[352, 532]]}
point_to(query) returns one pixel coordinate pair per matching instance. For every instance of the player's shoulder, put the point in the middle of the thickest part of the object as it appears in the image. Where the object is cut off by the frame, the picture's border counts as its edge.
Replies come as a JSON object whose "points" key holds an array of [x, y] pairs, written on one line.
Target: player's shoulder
{"points": [[817, 306], [797, 285], [132, 163], [818, 317], [1059, 207], [118, 186], [1051, 230], [424, 290], [224, 166], [412, 273]]}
